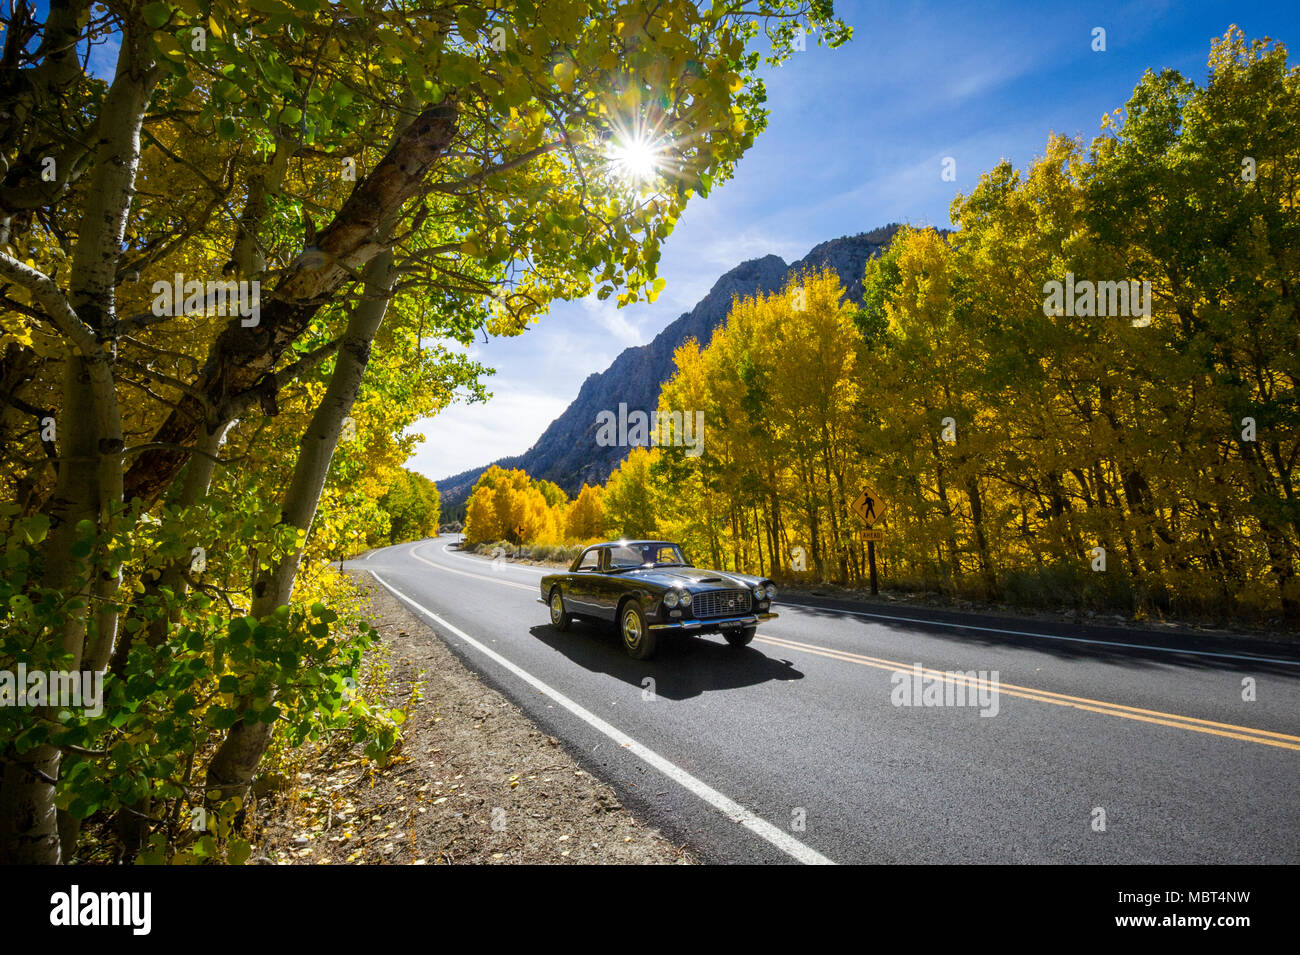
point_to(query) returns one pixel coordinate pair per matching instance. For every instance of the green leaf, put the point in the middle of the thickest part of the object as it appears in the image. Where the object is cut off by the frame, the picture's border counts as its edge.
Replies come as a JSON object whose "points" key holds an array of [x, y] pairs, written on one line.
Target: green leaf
{"points": [[156, 14], [238, 852], [35, 529], [222, 718]]}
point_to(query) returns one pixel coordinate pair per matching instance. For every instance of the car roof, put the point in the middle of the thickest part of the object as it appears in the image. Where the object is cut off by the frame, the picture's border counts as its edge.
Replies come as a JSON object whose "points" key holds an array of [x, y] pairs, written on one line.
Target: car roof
{"points": [[633, 542]]}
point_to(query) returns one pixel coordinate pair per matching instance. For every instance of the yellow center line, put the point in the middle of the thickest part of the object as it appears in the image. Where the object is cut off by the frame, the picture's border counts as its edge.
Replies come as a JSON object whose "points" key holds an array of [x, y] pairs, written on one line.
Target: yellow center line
{"points": [[1175, 720], [1195, 724], [794, 644]]}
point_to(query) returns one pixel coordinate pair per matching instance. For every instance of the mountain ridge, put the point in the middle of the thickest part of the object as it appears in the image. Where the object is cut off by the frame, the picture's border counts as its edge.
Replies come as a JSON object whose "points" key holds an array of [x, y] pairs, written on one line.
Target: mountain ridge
{"points": [[567, 453]]}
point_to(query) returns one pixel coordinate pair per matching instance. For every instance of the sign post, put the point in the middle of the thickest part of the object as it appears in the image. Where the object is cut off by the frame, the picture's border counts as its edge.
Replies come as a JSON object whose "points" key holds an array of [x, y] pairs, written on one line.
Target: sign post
{"points": [[871, 507]]}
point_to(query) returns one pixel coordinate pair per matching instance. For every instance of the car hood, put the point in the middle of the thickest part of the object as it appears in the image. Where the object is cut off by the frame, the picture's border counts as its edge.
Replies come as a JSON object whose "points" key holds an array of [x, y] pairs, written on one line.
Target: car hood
{"points": [[694, 579]]}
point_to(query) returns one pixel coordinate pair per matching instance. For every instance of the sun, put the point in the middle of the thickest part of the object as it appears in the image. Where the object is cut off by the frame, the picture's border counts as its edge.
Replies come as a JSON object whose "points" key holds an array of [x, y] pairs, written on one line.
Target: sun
{"points": [[635, 158]]}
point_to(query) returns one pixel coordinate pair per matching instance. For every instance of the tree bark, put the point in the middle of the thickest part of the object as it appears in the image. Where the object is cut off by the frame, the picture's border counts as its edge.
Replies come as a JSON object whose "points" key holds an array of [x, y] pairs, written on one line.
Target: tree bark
{"points": [[231, 771], [89, 484], [242, 359]]}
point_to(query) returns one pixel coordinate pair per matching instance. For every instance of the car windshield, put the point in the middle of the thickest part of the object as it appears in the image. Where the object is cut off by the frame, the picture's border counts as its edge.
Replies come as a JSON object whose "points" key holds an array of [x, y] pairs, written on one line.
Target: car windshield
{"points": [[630, 556]]}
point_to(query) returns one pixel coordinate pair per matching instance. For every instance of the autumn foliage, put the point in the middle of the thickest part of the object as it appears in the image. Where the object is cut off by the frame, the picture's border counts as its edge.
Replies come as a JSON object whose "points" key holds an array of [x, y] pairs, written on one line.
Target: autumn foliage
{"points": [[1025, 454], [510, 506]]}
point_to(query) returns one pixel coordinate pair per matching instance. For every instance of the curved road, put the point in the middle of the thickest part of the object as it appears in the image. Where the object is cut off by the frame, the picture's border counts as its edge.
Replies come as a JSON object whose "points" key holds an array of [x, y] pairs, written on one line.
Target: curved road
{"points": [[1099, 746]]}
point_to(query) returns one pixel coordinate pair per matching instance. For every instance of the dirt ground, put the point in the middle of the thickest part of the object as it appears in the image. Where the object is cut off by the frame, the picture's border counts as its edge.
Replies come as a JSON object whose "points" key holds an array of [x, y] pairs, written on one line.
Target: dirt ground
{"points": [[475, 782]]}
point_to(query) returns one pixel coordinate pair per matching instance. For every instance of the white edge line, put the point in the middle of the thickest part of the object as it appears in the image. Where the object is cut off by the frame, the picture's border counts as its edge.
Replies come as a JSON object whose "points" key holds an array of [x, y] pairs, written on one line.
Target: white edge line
{"points": [[729, 807]]}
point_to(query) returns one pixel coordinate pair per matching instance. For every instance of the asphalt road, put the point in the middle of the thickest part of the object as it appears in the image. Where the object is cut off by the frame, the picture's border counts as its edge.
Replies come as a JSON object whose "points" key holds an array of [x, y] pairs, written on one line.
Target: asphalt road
{"points": [[1101, 745]]}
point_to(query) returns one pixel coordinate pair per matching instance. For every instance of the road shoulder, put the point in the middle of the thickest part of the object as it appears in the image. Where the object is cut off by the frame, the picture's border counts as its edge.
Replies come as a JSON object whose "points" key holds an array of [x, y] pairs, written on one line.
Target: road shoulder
{"points": [[476, 780]]}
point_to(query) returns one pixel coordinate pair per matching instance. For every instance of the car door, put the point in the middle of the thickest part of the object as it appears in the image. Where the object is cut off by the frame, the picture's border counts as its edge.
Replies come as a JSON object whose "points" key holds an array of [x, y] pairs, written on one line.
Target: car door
{"points": [[598, 584], [610, 586], [579, 593]]}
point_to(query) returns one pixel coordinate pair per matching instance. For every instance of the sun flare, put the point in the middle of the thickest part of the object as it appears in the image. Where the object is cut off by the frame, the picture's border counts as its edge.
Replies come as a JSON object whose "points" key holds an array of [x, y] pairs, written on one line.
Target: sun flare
{"points": [[635, 158]]}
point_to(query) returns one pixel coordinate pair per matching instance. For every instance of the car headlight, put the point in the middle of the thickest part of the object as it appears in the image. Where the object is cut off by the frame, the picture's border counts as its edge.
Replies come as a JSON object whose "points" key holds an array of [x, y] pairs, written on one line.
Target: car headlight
{"points": [[686, 598], [771, 591], [670, 599]]}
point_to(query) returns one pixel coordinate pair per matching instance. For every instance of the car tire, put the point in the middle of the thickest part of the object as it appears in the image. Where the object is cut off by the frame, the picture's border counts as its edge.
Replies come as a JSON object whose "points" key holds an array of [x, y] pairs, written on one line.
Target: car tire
{"points": [[561, 619], [740, 637], [638, 639]]}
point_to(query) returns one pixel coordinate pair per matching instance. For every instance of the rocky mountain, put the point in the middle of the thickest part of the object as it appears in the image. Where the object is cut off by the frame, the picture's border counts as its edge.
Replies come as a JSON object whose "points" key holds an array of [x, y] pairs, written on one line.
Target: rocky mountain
{"points": [[567, 452]]}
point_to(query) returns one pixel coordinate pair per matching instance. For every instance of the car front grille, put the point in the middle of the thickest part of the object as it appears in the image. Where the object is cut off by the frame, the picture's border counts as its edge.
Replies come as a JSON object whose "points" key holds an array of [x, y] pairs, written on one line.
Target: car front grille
{"points": [[722, 603]]}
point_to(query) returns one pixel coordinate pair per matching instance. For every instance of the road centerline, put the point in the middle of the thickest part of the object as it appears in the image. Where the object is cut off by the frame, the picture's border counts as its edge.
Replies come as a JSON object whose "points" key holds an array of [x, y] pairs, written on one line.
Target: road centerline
{"points": [[1178, 651], [1102, 707], [466, 573]]}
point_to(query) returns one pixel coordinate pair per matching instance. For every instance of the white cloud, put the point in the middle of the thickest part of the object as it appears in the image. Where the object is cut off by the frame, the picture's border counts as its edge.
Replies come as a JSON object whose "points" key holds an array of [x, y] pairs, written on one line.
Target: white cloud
{"points": [[465, 436], [614, 320]]}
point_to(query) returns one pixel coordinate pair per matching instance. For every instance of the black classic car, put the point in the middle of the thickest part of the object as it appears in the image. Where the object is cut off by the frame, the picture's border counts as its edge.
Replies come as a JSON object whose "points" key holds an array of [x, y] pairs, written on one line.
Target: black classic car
{"points": [[648, 588]]}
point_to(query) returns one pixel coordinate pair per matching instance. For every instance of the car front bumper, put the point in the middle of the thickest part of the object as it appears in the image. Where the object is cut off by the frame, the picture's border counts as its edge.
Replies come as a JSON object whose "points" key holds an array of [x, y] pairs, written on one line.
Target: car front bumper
{"points": [[748, 620]]}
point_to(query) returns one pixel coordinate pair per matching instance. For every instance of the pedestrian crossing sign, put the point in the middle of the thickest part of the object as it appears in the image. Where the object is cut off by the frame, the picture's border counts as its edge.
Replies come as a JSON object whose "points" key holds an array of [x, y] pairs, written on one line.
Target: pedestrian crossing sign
{"points": [[869, 506]]}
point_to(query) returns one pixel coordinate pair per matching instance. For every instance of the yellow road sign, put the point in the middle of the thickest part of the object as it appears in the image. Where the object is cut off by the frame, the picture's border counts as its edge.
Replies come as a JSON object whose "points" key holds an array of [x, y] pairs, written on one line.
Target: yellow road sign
{"points": [[869, 506], [876, 535]]}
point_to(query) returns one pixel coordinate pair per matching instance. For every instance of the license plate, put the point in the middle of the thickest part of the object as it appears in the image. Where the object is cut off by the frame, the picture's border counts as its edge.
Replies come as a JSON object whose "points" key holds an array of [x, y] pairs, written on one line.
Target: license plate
{"points": [[729, 624]]}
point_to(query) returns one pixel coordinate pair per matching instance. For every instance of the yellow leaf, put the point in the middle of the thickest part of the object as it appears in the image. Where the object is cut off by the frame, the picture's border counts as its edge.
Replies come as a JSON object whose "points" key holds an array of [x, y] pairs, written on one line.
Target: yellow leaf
{"points": [[564, 76]]}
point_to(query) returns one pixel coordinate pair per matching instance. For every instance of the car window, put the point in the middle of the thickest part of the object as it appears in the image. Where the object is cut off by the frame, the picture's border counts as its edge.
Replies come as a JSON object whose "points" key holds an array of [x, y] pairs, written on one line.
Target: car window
{"points": [[590, 560], [626, 555]]}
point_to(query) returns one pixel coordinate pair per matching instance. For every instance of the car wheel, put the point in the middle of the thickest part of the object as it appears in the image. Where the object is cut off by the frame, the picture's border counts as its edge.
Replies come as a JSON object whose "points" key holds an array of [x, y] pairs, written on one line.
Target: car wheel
{"points": [[560, 618], [638, 639], [741, 636]]}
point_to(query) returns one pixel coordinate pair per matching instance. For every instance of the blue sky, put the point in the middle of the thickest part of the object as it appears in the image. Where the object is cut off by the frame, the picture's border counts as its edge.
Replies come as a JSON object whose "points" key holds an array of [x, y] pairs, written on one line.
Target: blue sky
{"points": [[856, 139]]}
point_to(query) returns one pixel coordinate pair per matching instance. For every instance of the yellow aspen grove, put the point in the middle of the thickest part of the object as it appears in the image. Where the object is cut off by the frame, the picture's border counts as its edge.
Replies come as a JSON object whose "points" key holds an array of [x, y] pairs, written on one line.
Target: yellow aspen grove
{"points": [[585, 521], [1035, 389]]}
